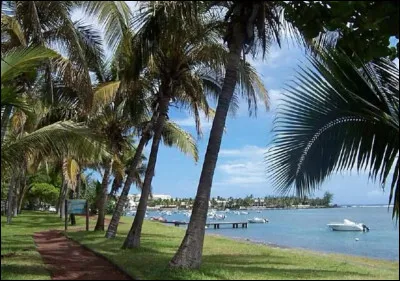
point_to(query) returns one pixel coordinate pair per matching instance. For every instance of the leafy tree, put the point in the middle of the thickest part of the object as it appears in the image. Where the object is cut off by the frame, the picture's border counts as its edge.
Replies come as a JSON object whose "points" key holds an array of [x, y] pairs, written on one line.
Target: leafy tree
{"points": [[327, 199], [359, 28], [43, 193]]}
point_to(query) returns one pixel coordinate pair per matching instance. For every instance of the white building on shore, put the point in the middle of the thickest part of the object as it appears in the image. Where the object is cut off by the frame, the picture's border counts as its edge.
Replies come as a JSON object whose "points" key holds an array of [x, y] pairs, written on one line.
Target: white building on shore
{"points": [[133, 199]]}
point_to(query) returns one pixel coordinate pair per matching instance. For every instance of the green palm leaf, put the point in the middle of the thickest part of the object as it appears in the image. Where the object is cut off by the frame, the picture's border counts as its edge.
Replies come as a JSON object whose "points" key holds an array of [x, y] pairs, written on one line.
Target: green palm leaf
{"points": [[173, 135], [338, 118], [61, 138], [114, 15], [21, 60]]}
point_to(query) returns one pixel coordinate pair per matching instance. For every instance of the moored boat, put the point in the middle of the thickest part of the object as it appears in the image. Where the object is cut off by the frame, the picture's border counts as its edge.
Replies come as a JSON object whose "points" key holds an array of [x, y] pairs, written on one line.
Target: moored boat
{"points": [[258, 220], [348, 225]]}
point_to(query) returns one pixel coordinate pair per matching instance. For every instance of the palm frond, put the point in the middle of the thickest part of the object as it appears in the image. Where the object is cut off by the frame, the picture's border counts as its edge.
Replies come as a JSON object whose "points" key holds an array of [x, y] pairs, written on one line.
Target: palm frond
{"points": [[113, 15], [173, 135], [337, 117], [13, 28], [59, 139], [251, 87], [21, 60], [105, 93]]}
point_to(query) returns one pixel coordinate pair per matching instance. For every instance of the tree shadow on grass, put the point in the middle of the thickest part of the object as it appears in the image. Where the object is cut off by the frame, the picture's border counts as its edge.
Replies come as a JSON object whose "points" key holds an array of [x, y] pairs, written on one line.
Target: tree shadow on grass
{"points": [[22, 269]]}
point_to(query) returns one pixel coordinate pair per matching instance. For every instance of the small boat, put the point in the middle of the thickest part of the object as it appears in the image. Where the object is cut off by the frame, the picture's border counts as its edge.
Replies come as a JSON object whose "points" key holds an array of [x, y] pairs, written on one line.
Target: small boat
{"points": [[160, 219], [348, 225], [244, 213], [257, 220]]}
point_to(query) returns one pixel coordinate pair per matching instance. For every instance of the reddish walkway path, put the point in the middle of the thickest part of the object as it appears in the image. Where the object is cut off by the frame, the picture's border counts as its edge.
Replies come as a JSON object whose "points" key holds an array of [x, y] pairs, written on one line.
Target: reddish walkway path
{"points": [[67, 260]]}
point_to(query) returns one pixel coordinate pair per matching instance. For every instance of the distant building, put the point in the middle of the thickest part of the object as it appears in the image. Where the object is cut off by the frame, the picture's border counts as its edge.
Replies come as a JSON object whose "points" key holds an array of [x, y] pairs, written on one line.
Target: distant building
{"points": [[133, 199]]}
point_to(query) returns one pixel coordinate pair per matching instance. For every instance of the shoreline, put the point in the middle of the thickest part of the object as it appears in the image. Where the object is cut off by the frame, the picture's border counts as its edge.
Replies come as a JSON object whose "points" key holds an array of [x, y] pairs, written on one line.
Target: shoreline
{"points": [[283, 247]]}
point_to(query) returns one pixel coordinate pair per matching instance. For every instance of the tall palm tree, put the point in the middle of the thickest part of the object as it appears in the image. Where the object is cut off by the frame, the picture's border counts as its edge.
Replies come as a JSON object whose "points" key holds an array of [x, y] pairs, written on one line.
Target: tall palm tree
{"points": [[172, 135], [249, 25], [178, 62], [112, 122], [339, 117]]}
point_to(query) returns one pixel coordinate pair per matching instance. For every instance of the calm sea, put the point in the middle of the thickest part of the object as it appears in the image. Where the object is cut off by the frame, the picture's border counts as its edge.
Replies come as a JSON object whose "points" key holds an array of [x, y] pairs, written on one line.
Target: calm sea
{"points": [[307, 228]]}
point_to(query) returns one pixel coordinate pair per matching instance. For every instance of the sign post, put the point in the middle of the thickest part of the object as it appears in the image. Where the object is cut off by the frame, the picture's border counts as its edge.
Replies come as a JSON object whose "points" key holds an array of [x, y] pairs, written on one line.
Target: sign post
{"points": [[79, 207]]}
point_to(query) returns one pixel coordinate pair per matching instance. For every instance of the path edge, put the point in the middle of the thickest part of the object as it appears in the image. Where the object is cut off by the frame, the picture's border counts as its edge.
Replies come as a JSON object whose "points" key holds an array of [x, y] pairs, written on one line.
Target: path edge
{"points": [[102, 256]]}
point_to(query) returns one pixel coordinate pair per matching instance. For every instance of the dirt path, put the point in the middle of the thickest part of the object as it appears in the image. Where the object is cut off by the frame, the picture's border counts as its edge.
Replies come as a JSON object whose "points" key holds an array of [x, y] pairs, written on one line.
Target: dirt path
{"points": [[67, 260]]}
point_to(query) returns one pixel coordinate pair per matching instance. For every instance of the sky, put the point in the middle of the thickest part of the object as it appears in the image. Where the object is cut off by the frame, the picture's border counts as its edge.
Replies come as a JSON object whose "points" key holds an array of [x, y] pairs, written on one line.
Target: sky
{"points": [[241, 167]]}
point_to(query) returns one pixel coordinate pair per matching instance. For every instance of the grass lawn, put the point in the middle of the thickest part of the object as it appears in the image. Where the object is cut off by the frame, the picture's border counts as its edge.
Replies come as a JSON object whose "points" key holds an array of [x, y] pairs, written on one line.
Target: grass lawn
{"points": [[19, 258], [223, 258], [227, 259]]}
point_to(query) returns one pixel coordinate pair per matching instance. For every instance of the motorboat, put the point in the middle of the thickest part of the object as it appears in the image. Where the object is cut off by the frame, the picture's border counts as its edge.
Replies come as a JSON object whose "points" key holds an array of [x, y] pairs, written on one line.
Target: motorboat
{"points": [[160, 219], [244, 213], [348, 225], [258, 220]]}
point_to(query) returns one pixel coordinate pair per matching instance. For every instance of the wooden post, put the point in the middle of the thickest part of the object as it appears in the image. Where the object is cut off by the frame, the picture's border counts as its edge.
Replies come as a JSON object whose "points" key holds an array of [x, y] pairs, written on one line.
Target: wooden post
{"points": [[66, 214], [87, 215]]}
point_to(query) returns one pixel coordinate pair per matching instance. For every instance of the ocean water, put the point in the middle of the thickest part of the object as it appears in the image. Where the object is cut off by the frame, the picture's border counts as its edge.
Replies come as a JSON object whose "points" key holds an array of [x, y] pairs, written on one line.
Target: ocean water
{"points": [[307, 229]]}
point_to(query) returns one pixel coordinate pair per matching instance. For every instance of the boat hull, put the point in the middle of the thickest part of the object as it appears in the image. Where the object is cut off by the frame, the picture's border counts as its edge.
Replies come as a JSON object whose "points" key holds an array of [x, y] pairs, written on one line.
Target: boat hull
{"points": [[345, 227]]}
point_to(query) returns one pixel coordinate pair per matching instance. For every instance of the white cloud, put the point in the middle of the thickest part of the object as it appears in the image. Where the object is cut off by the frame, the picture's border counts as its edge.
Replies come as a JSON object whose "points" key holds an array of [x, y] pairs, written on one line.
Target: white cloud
{"points": [[205, 122], [248, 151], [242, 166]]}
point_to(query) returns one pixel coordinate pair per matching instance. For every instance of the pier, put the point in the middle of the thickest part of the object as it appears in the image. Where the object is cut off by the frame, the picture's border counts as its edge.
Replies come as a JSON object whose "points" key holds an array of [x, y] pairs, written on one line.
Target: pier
{"points": [[216, 225]]}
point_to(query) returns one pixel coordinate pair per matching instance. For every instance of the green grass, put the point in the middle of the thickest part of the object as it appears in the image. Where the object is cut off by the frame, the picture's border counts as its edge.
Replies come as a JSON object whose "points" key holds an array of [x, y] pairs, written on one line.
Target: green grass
{"points": [[19, 258], [223, 258]]}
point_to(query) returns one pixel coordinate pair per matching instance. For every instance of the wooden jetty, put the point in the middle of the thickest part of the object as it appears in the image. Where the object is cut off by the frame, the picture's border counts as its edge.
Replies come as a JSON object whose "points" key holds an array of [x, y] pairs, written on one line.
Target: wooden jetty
{"points": [[215, 224]]}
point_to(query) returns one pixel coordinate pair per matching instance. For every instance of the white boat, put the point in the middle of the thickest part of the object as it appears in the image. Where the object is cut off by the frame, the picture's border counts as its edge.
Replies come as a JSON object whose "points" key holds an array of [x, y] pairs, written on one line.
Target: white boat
{"points": [[348, 225], [166, 213], [244, 213], [257, 220]]}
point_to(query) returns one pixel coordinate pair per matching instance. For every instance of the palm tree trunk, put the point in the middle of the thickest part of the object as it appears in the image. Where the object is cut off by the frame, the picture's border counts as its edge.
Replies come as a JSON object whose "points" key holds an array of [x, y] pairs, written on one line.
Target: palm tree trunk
{"points": [[133, 238], [116, 185], [15, 197], [64, 188], [10, 197], [72, 216], [4, 121], [113, 226], [63, 196], [190, 251], [23, 190], [103, 197]]}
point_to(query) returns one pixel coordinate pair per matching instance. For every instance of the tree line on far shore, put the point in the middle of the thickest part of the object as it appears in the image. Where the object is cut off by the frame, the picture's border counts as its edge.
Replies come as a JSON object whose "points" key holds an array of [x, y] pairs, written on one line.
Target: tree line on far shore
{"points": [[222, 203]]}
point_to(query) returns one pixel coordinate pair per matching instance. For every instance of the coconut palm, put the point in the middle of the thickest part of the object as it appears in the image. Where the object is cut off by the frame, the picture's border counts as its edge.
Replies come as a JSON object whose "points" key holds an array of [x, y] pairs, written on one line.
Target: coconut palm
{"points": [[337, 117], [250, 25], [114, 124], [177, 63], [172, 135]]}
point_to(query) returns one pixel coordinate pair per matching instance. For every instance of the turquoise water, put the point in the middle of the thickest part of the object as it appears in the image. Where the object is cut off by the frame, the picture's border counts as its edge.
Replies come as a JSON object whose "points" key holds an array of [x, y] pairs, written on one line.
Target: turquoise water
{"points": [[307, 229]]}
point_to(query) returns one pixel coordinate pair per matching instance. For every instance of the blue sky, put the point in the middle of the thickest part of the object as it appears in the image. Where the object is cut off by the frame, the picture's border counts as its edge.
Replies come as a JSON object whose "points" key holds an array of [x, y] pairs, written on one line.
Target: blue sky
{"points": [[240, 169]]}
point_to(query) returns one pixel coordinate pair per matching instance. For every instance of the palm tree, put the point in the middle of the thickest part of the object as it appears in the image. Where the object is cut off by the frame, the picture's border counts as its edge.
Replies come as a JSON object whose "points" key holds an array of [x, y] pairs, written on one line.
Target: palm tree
{"points": [[112, 122], [248, 23], [172, 135], [49, 24], [179, 63], [338, 118]]}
